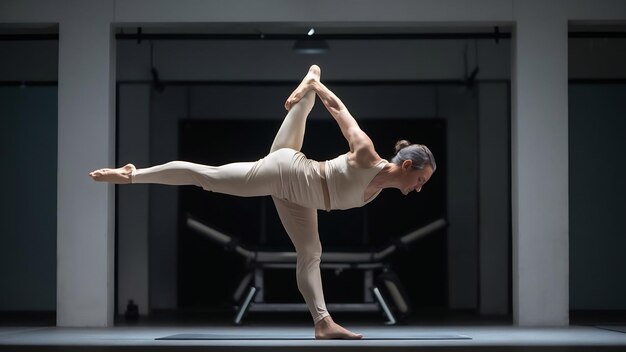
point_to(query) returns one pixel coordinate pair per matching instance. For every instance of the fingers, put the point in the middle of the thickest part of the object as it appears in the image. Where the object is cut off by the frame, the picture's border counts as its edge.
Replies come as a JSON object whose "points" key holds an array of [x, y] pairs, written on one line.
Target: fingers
{"points": [[291, 101]]}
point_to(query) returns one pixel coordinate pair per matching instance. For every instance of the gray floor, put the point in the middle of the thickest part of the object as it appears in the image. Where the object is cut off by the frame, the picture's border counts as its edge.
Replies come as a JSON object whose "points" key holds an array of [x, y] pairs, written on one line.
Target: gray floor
{"points": [[482, 338]]}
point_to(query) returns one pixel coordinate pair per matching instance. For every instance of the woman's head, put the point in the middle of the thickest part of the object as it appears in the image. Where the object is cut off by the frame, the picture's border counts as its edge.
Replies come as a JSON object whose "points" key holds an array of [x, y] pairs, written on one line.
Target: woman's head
{"points": [[419, 155], [416, 164]]}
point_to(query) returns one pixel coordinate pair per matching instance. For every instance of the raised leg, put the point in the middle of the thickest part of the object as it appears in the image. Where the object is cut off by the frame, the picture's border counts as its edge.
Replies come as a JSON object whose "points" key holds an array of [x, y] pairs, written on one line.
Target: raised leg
{"points": [[291, 132], [307, 84]]}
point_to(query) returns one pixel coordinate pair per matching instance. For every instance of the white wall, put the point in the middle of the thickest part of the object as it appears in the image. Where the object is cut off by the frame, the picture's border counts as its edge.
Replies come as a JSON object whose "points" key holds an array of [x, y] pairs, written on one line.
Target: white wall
{"points": [[85, 226], [540, 166]]}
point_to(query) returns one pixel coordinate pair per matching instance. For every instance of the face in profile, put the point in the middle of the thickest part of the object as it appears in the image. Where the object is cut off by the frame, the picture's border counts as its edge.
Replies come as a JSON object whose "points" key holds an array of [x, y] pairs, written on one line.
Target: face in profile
{"points": [[414, 179]]}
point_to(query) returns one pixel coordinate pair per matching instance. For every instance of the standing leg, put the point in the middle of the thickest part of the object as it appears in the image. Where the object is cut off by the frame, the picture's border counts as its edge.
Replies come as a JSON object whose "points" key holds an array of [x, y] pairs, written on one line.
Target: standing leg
{"points": [[301, 226]]}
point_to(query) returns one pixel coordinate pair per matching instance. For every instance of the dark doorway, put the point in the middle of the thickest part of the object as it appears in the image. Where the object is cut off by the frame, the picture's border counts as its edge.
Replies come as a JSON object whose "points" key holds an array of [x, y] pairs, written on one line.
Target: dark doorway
{"points": [[208, 275]]}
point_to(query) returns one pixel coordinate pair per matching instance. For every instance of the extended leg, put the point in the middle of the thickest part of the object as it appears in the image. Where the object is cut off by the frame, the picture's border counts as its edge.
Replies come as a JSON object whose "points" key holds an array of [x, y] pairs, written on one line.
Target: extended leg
{"points": [[246, 179], [120, 175]]}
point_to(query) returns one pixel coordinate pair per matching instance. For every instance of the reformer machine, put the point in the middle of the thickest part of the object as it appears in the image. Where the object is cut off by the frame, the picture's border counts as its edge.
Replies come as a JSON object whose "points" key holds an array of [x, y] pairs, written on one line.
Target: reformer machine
{"points": [[249, 292]]}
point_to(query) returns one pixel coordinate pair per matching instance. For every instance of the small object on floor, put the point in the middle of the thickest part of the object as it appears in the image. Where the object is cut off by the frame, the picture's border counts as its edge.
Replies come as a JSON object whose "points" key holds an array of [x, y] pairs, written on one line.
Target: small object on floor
{"points": [[132, 311]]}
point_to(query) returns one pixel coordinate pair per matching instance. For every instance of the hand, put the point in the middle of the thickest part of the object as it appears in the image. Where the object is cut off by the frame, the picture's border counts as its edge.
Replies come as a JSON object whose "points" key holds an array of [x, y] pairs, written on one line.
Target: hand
{"points": [[306, 85], [300, 92], [292, 100]]}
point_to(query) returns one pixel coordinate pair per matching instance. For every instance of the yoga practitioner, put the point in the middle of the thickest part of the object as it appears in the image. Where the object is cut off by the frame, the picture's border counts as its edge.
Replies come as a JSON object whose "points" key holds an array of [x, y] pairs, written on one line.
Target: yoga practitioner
{"points": [[300, 186]]}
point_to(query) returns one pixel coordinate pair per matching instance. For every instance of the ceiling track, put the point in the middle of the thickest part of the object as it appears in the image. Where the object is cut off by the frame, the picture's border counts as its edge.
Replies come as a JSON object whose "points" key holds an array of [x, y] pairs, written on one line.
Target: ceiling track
{"points": [[373, 36]]}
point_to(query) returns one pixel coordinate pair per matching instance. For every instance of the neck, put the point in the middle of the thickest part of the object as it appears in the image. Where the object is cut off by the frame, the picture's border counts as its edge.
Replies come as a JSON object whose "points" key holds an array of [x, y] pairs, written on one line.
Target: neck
{"points": [[386, 178]]}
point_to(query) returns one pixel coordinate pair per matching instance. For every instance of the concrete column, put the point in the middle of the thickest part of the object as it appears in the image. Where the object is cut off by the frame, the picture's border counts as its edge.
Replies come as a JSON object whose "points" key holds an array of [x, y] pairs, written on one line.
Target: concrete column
{"points": [[540, 165], [85, 246]]}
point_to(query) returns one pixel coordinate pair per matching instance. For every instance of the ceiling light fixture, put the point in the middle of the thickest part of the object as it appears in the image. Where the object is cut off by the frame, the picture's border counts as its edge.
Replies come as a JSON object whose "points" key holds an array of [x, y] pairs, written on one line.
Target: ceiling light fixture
{"points": [[309, 45]]}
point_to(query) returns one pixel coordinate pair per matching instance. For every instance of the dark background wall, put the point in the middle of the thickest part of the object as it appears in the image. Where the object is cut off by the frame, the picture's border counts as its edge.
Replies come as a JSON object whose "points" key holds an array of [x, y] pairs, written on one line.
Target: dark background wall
{"points": [[597, 190], [255, 222], [378, 105], [28, 128], [28, 139]]}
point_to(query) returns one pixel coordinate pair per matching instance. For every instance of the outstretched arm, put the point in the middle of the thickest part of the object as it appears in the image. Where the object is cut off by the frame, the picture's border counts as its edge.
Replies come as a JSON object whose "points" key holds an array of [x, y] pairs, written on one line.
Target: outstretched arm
{"points": [[360, 143]]}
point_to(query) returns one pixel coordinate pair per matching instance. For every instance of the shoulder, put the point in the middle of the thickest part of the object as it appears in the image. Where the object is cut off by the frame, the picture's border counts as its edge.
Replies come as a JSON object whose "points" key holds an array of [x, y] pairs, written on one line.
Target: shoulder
{"points": [[364, 156]]}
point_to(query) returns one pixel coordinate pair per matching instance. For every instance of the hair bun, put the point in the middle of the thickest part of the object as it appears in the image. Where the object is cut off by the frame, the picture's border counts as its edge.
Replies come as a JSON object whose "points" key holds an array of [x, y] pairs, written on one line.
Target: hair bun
{"points": [[402, 144]]}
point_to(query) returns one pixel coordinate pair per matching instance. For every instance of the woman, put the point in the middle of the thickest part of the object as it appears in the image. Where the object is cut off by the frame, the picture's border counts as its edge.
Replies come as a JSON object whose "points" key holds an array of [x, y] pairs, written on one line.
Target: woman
{"points": [[300, 186]]}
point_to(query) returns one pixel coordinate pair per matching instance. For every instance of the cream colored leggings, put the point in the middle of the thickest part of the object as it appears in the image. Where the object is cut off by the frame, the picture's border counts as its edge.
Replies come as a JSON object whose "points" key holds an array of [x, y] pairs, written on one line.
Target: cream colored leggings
{"points": [[236, 179]]}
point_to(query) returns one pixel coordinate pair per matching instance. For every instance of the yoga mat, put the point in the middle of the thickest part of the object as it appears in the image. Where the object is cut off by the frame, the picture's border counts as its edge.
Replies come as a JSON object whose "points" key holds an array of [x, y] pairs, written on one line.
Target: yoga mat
{"points": [[613, 328], [270, 336]]}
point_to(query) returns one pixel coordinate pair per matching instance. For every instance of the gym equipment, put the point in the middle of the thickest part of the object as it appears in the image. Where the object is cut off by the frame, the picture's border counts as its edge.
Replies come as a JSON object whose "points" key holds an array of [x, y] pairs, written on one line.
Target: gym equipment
{"points": [[249, 292]]}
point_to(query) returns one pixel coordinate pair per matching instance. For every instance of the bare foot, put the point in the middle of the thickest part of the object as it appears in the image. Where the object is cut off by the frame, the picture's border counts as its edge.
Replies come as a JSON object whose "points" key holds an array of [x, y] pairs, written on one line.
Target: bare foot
{"points": [[327, 329], [120, 175], [312, 76]]}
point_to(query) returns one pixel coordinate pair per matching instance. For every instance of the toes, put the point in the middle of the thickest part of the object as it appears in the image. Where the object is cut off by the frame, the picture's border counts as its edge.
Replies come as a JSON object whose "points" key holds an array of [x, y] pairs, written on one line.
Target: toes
{"points": [[97, 173], [315, 69]]}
